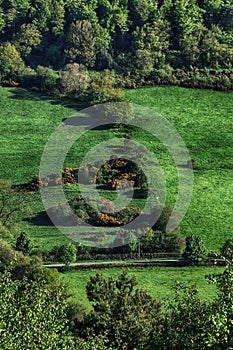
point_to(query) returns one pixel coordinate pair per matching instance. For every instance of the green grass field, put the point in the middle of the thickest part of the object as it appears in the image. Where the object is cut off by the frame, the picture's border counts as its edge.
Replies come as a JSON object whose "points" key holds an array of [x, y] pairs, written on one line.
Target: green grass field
{"points": [[203, 118], [159, 281]]}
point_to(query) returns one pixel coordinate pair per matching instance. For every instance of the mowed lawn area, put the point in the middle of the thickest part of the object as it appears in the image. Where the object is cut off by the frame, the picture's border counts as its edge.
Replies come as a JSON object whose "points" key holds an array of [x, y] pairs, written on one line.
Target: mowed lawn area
{"points": [[203, 118], [159, 281]]}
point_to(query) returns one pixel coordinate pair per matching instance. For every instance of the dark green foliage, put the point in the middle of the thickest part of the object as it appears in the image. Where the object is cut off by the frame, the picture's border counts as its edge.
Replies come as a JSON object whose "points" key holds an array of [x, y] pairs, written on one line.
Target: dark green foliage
{"points": [[125, 318], [13, 201], [23, 243], [163, 219], [81, 42], [104, 60], [128, 36], [227, 250], [195, 250], [184, 322], [94, 342], [27, 38], [7, 253], [75, 314], [24, 266], [67, 253], [125, 315], [46, 79], [154, 40]]}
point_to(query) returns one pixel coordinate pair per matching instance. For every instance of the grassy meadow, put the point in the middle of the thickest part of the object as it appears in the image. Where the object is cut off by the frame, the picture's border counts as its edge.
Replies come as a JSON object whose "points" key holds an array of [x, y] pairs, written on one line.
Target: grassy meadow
{"points": [[203, 118], [159, 281]]}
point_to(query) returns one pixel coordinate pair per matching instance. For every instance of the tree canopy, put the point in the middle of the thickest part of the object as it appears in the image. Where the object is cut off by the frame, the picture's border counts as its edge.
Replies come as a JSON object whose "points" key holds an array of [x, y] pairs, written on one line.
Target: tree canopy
{"points": [[175, 32]]}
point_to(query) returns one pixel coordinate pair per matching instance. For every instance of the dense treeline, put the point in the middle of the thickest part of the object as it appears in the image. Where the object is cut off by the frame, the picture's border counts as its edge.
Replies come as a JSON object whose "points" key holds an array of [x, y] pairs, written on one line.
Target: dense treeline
{"points": [[133, 37]]}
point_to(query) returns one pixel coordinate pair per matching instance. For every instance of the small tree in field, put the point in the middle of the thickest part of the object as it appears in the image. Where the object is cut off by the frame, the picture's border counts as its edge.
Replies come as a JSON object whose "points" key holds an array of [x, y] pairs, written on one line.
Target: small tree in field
{"points": [[24, 243], [12, 202], [227, 249], [195, 250], [67, 253]]}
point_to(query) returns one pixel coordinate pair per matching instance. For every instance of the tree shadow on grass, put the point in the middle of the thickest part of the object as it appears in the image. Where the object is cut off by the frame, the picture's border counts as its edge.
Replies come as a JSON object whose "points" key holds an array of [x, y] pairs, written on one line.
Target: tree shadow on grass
{"points": [[41, 219], [30, 95]]}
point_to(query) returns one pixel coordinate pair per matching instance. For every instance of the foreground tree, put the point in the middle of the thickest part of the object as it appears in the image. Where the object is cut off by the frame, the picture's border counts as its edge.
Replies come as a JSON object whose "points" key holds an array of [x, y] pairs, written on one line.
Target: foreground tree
{"points": [[220, 325], [124, 315], [32, 316], [183, 324]]}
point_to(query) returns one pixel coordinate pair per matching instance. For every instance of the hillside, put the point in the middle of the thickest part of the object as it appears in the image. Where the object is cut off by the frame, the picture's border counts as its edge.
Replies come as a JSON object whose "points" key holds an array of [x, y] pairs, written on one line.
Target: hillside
{"points": [[203, 118]]}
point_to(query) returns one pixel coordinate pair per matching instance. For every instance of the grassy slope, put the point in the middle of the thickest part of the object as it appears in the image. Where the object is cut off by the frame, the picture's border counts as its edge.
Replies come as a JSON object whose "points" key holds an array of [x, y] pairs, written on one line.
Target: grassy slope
{"points": [[159, 281], [27, 120], [203, 118]]}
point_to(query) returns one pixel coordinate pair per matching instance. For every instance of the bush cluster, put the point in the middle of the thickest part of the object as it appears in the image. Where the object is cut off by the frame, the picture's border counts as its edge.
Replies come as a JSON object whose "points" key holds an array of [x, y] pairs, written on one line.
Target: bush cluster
{"points": [[192, 77], [120, 173]]}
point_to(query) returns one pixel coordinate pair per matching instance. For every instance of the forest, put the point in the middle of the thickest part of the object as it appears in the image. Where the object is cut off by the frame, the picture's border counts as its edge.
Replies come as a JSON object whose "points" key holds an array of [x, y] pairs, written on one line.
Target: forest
{"points": [[129, 42]]}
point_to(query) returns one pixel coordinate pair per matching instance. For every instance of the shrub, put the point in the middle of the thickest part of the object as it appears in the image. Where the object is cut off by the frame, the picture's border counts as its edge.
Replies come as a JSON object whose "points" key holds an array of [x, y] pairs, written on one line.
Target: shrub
{"points": [[195, 250], [224, 82], [102, 88], [23, 243], [166, 214], [144, 61], [124, 314], [46, 79], [227, 249], [7, 253], [75, 314], [174, 243], [74, 81], [27, 38], [104, 60]]}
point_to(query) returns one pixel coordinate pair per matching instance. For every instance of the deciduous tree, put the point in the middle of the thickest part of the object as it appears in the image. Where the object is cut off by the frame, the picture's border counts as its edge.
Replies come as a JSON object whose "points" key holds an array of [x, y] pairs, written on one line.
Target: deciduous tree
{"points": [[125, 315]]}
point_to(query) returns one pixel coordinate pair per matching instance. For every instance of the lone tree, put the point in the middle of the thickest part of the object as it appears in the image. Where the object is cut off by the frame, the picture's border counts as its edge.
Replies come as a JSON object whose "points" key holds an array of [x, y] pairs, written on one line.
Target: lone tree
{"points": [[195, 250], [227, 250], [67, 253], [13, 200], [24, 243]]}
